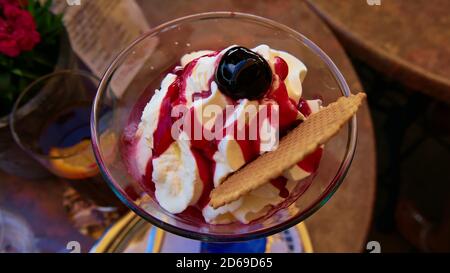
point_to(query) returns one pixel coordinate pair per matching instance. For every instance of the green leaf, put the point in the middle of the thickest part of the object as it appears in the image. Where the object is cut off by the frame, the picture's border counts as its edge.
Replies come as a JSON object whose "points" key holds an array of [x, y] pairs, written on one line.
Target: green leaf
{"points": [[16, 73], [5, 81], [24, 74], [48, 4], [31, 8]]}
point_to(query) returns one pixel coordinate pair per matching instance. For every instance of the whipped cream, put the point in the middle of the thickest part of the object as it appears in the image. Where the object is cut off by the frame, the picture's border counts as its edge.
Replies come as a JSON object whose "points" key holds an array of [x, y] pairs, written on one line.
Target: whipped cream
{"points": [[177, 172]]}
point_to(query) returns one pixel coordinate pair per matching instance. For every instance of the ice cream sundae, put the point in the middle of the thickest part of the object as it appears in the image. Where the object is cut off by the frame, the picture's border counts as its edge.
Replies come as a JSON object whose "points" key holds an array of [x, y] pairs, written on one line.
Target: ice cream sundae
{"points": [[212, 114]]}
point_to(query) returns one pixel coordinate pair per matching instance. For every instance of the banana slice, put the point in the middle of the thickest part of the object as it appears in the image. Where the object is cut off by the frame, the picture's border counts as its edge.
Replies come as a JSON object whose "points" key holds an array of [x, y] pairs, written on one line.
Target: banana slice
{"points": [[257, 203], [315, 105], [187, 58], [208, 109], [296, 173], [228, 158], [176, 177], [222, 215], [247, 208]]}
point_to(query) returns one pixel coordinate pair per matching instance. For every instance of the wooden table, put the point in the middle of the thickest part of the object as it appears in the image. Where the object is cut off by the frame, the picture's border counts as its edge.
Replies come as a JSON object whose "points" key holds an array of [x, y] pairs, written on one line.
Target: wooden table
{"points": [[406, 40], [40, 203], [340, 226]]}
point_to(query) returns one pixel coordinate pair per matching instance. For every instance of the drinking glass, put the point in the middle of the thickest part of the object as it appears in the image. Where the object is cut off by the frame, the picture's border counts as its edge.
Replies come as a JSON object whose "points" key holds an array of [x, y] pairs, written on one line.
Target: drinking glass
{"points": [[56, 131]]}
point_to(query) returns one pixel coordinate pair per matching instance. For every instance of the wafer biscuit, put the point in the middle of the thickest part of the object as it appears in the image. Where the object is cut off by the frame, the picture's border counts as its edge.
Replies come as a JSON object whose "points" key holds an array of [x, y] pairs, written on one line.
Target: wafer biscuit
{"points": [[301, 141]]}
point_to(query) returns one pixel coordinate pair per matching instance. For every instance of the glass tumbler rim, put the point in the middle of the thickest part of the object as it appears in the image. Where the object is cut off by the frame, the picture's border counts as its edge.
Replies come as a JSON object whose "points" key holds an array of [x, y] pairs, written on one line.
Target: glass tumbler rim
{"points": [[19, 111], [319, 201]]}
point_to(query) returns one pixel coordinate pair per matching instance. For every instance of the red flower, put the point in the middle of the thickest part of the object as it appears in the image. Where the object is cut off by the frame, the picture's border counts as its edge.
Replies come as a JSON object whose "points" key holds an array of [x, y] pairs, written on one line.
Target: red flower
{"points": [[9, 2], [17, 28]]}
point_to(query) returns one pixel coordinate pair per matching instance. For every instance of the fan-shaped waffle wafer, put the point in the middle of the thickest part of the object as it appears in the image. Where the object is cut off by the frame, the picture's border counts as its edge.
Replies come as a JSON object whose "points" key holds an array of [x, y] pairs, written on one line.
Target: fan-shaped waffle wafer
{"points": [[301, 141]]}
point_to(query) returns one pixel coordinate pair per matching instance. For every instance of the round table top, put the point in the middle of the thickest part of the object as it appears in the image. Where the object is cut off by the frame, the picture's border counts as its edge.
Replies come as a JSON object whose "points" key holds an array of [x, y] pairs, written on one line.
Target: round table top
{"points": [[341, 225], [406, 40]]}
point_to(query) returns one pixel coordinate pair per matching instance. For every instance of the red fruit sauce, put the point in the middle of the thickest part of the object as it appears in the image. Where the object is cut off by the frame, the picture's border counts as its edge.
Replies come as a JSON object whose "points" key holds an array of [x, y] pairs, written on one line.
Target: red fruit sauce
{"points": [[203, 150], [281, 68]]}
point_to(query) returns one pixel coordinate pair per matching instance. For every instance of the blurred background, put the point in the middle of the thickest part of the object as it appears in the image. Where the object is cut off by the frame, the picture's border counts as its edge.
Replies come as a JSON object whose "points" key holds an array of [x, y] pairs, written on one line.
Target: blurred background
{"points": [[396, 196]]}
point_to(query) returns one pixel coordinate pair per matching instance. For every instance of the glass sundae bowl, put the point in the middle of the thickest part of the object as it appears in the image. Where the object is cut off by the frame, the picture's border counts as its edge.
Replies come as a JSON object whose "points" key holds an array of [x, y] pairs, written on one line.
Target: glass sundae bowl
{"points": [[138, 70]]}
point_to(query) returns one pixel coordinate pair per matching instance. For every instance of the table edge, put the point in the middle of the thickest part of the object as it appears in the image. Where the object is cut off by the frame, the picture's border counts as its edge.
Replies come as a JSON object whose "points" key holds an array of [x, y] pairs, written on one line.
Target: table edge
{"points": [[429, 83]]}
